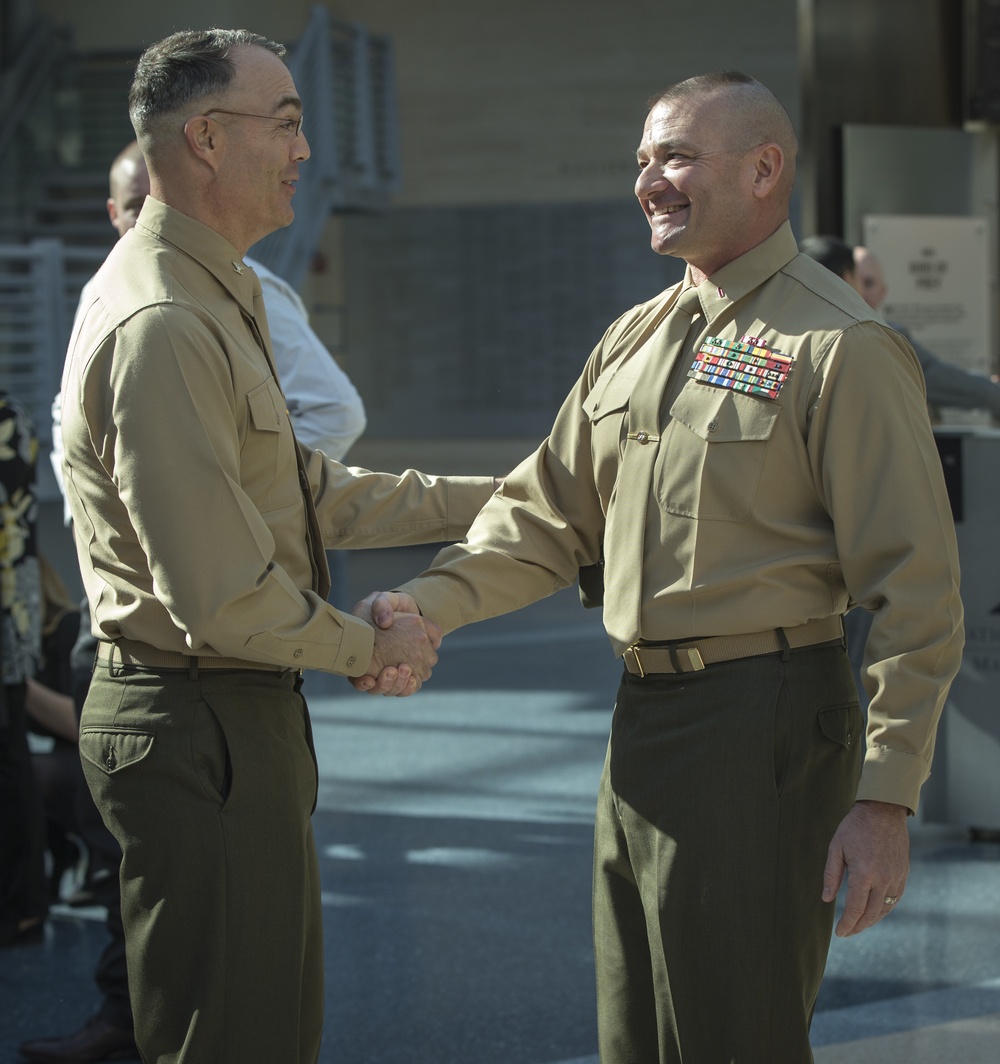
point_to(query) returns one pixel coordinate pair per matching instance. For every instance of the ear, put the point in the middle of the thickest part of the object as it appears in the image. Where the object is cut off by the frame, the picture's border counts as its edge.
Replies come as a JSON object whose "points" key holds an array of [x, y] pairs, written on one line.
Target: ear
{"points": [[769, 165], [112, 211], [201, 140]]}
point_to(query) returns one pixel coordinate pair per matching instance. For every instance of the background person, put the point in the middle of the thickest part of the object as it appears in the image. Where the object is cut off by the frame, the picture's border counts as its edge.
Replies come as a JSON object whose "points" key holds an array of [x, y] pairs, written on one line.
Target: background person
{"points": [[947, 385], [24, 900], [327, 412]]}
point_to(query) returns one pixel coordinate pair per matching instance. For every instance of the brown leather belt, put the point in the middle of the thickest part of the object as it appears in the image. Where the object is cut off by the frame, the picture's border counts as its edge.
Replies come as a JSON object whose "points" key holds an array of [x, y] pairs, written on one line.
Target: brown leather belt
{"points": [[694, 654], [143, 656]]}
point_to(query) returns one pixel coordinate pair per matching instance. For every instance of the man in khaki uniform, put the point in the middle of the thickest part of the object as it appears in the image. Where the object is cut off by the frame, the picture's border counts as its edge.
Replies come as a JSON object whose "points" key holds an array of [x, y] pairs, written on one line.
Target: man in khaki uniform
{"points": [[750, 453], [201, 527]]}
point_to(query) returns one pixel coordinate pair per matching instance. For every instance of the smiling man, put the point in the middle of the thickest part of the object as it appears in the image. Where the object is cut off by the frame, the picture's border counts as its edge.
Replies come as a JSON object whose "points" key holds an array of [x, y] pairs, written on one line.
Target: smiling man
{"points": [[201, 526], [746, 454]]}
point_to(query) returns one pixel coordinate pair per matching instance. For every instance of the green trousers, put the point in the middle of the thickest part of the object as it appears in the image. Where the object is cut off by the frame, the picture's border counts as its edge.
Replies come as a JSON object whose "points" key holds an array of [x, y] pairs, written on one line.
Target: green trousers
{"points": [[208, 781], [720, 794]]}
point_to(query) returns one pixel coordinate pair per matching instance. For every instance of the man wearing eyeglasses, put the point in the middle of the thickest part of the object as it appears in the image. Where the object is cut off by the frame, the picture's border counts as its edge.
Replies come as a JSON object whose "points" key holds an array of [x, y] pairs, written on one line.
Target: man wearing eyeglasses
{"points": [[200, 527]]}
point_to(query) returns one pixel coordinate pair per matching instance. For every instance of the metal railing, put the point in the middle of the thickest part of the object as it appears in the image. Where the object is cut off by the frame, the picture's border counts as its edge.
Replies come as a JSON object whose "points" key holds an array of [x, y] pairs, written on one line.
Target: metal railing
{"points": [[29, 119], [39, 286]]}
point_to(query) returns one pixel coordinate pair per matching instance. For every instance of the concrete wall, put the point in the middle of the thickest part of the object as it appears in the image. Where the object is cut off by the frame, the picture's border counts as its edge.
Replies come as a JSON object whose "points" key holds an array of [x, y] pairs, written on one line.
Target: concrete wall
{"points": [[505, 101], [515, 101], [467, 311], [124, 25], [468, 307]]}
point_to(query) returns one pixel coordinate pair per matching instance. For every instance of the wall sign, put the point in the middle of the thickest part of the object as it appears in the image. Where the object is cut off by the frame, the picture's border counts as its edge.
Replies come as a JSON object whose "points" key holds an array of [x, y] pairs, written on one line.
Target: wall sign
{"points": [[938, 276]]}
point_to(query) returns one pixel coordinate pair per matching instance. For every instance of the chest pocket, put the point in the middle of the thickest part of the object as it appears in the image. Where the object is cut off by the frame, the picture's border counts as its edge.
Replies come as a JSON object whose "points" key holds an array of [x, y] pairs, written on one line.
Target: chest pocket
{"points": [[607, 409], [710, 461], [268, 470]]}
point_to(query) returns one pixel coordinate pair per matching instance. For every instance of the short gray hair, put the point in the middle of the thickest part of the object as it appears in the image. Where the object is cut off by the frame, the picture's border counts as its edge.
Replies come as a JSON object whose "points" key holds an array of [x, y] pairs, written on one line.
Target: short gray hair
{"points": [[182, 68]]}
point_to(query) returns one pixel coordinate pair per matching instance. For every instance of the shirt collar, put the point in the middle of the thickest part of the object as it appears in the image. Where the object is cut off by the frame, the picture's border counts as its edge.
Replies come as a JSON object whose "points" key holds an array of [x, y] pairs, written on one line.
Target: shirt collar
{"points": [[741, 276], [200, 242]]}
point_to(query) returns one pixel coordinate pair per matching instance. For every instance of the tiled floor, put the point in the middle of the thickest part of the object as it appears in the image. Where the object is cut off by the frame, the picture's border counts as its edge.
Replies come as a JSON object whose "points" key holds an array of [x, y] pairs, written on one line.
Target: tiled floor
{"points": [[923, 986], [453, 832]]}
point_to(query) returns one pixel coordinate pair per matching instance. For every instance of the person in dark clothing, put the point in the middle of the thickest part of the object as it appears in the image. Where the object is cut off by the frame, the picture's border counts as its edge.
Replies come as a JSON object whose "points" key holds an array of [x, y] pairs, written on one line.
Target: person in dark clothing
{"points": [[23, 893]]}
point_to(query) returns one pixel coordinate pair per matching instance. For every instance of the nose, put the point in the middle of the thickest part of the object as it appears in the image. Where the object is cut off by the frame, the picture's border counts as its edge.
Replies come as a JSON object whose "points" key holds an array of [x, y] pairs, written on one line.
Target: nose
{"points": [[650, 180], [301, 150]]}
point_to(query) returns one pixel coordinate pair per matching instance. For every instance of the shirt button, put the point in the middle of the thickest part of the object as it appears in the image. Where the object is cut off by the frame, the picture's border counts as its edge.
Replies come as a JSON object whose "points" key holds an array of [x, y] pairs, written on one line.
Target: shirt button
{"points": [[351, 660], [297, 654], [713, 426]]}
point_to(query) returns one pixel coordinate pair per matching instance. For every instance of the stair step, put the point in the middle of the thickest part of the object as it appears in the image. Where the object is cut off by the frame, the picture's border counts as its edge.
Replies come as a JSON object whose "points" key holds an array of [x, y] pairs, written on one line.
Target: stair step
{"points": [[70, 235], [94, 206], [72, 179]]}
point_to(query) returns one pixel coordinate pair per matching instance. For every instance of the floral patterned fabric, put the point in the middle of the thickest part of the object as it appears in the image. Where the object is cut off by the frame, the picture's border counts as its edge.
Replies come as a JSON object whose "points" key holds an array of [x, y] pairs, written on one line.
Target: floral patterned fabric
{"points": [[20, 583]]}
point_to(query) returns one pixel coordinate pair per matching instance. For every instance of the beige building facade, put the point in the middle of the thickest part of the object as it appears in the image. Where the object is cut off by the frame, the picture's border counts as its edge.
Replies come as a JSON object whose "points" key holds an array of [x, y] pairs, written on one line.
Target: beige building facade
{"points": [[464, 310], [465, 304]]}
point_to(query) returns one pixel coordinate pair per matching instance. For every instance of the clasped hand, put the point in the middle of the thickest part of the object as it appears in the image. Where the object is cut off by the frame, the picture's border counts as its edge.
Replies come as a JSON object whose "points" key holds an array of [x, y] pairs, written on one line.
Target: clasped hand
{"points": [[405, 645]]}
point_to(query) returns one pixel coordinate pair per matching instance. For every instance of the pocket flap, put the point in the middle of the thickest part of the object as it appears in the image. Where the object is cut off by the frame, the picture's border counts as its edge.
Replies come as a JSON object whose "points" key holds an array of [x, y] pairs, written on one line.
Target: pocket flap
{"points": [[835, 723], [111, 751], [263, 408], [610, 393], [720, 415]]}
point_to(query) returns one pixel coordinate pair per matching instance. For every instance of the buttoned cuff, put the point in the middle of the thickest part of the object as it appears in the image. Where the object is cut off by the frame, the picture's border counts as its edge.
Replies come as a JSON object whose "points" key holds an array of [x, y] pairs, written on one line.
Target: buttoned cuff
{"points": [[892, 776], [354, 655]]}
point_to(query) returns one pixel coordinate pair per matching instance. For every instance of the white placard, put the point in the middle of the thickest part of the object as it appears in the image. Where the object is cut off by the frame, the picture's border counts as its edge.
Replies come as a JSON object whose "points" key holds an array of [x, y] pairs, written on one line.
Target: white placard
{"points": [[937, 271]]}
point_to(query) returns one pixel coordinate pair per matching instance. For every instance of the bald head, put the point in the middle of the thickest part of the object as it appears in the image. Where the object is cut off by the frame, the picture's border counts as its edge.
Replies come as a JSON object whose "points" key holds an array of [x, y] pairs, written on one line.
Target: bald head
{"points": [[128, 187], [125, 163], [871, 279]]}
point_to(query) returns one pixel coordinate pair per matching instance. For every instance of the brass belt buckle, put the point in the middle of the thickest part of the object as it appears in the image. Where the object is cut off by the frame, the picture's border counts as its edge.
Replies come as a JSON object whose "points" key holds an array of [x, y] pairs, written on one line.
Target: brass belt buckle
{"points": [[635, 658], [693, 655]]}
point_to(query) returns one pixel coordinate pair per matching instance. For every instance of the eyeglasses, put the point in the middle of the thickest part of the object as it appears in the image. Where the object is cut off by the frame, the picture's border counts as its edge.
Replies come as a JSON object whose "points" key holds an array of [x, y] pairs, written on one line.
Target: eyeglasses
{"points": [[291, 126]]}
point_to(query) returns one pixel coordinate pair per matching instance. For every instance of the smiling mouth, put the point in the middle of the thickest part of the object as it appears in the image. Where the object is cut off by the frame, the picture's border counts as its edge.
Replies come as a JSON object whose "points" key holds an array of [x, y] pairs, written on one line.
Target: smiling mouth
{"points": [[660, 212]]}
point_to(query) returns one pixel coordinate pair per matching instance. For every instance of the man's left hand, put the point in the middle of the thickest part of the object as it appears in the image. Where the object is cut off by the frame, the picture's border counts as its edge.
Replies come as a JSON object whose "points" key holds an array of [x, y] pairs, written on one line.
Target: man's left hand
{"points": [[872, 845]]}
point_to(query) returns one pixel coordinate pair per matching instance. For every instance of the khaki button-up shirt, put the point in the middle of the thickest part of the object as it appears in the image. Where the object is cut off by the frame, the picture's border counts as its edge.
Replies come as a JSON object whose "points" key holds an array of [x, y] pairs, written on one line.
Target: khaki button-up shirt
{"points": [[763, 512], [200, 523]]}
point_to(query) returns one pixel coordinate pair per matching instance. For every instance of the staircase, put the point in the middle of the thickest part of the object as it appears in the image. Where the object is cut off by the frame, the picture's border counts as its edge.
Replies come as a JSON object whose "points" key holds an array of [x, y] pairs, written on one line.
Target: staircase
{"points": [[69, 199]]}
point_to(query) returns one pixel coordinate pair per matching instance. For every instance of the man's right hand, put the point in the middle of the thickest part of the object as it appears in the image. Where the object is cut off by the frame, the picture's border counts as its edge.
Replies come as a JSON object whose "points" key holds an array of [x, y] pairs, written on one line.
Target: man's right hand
{"points": [[405, 645]]}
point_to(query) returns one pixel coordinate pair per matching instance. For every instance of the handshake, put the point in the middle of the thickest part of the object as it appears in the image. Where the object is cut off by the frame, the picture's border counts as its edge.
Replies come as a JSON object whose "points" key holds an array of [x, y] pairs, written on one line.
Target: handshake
{"points": [[405, 645]]}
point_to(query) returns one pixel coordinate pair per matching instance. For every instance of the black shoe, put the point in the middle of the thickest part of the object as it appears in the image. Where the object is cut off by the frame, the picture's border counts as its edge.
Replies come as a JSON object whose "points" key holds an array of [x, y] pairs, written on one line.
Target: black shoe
{"points": [[95, 1041]]}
